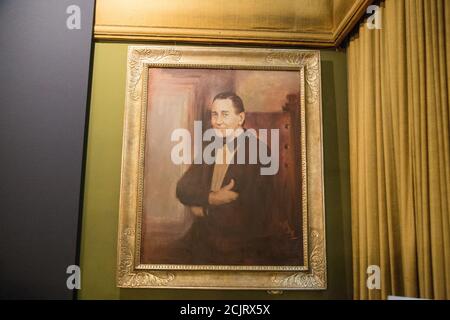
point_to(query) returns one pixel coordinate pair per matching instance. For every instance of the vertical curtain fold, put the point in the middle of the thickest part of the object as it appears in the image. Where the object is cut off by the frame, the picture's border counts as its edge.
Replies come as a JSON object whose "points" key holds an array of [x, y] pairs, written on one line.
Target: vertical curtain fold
{"points": [[399, 102]]}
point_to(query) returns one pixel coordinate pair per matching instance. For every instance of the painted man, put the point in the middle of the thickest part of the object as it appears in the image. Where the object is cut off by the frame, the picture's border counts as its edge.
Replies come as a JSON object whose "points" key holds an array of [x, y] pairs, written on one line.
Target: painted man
{"points": [[231, 202]]}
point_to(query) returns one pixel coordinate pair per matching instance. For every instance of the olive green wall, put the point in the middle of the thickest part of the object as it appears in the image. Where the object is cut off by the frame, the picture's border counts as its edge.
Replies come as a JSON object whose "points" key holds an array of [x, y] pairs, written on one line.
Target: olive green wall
{"points": [[101, 202]]}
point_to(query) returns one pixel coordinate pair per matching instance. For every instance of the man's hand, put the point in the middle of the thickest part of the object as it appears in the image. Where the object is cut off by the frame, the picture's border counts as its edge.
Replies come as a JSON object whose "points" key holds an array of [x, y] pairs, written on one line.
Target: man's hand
{"points": [[197, 211], [224, 195]]}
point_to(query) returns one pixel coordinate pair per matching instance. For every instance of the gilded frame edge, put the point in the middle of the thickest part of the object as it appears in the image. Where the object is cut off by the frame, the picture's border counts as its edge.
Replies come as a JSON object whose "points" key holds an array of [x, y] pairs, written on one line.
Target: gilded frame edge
{"points": [[128, 276]]}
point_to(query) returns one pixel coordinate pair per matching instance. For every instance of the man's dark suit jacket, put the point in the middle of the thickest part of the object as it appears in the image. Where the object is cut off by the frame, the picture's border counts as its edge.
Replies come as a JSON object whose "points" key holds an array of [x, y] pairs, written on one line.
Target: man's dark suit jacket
{"points": [[237, 233]]}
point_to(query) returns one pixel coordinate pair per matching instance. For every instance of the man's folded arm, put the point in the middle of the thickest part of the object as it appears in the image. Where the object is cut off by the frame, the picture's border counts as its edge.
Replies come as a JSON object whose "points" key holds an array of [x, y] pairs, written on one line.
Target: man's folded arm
{"points": [[190, 191]]}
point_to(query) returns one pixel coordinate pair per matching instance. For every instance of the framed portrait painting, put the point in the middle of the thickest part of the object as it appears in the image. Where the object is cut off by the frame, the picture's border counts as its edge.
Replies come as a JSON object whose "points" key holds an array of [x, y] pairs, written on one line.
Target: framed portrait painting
{"points": [[222, 170]]}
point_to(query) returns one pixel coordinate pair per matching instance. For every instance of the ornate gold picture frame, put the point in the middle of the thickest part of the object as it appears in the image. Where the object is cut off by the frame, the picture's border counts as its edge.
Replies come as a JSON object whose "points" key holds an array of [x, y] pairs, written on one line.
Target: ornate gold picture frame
{"points": [[171, 86]]}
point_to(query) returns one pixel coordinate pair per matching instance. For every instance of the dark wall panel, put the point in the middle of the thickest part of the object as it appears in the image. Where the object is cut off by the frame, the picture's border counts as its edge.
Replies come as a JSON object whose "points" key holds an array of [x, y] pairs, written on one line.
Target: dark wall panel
{"points": [[44, 75]]}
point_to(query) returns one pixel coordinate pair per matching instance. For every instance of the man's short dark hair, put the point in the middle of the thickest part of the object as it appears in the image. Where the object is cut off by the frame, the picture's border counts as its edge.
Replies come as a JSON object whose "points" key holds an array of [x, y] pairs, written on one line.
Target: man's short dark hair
{"points": [[237, 101]]}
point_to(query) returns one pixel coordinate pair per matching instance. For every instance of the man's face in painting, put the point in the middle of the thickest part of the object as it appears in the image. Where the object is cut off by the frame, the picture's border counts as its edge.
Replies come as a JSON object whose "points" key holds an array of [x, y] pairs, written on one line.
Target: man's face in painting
{"points": [[224, 117]]}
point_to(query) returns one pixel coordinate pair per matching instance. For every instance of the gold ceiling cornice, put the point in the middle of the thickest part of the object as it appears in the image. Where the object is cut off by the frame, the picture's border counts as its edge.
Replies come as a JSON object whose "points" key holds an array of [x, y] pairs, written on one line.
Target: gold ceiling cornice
{"points": [[311, 23]]}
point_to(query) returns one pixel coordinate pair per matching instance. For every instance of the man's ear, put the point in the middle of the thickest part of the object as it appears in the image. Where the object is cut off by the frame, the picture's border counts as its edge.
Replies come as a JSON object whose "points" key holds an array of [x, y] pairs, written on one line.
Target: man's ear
{"points": [[242, 118]]}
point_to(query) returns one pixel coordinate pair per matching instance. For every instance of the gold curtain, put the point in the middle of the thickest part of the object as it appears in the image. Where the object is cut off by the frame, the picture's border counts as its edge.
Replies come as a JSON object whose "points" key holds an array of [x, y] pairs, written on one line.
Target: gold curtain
{"points": [[399, 143]]}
